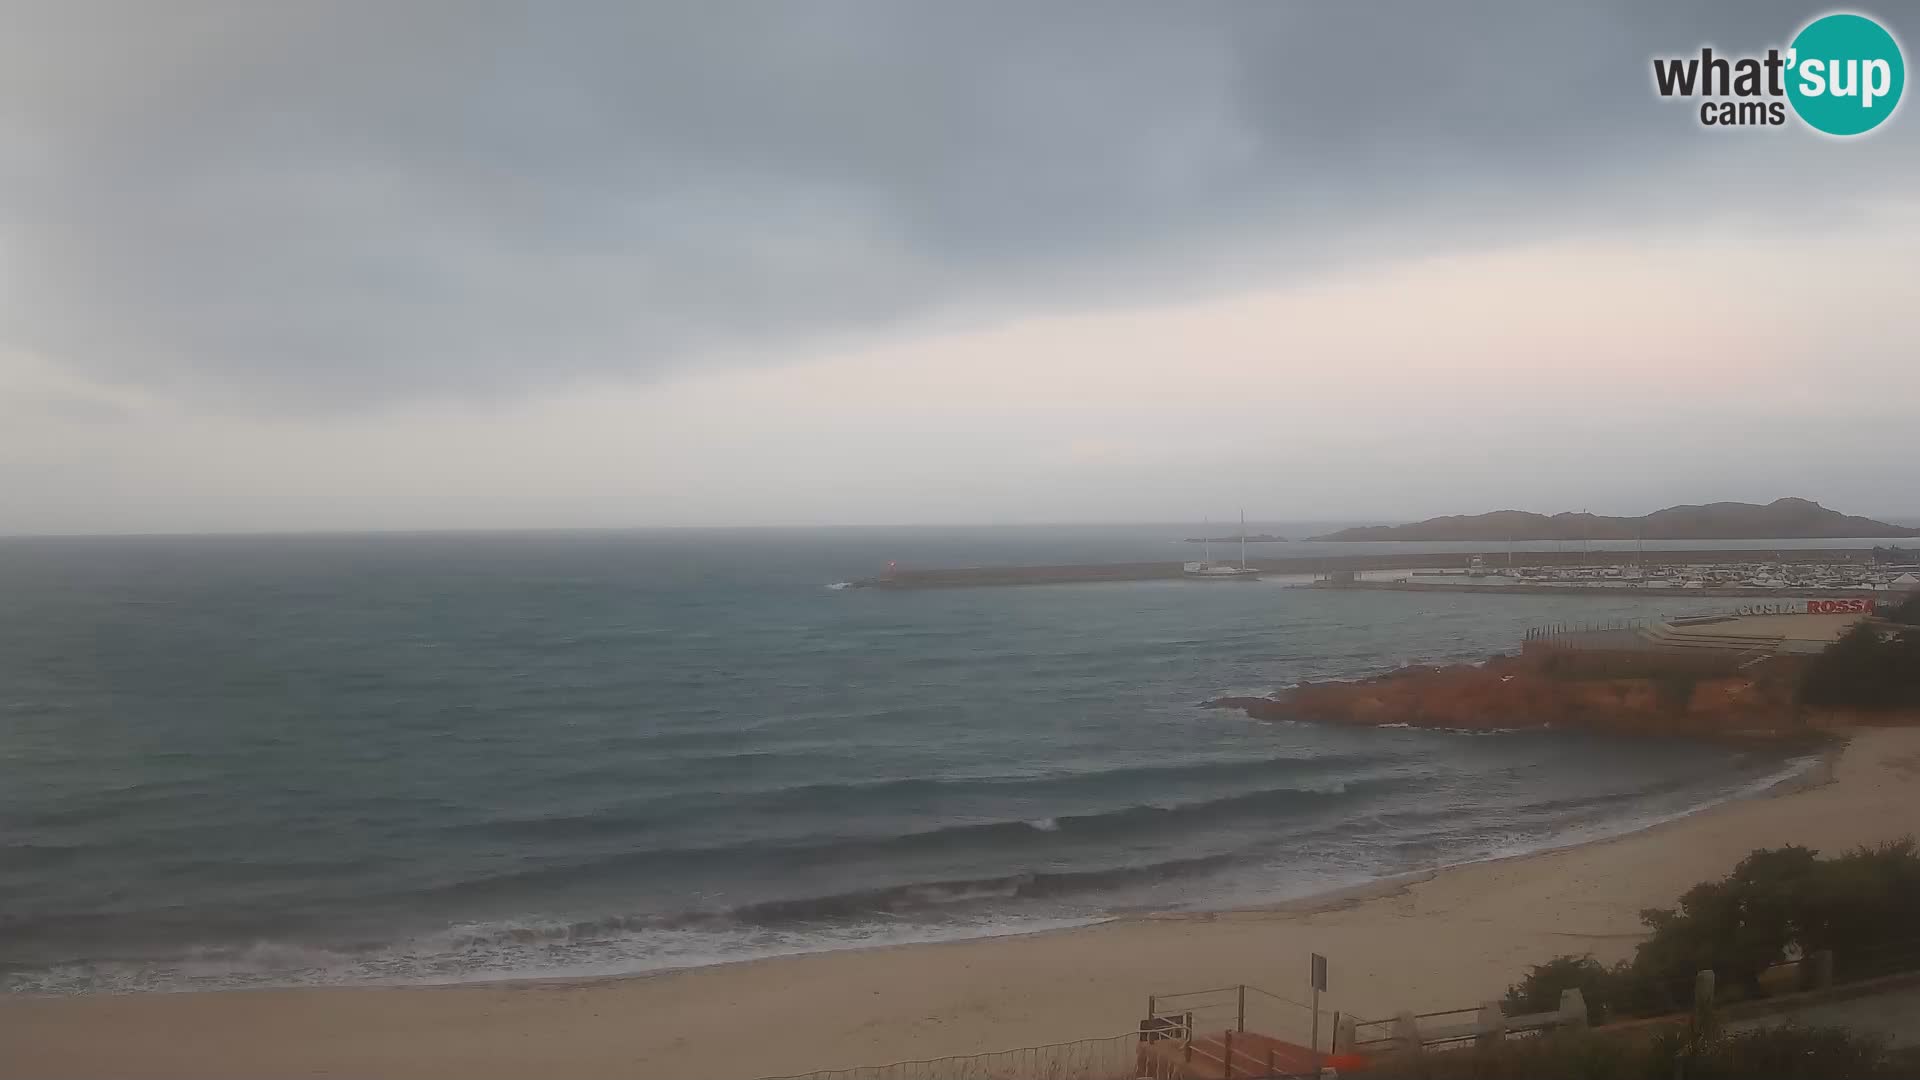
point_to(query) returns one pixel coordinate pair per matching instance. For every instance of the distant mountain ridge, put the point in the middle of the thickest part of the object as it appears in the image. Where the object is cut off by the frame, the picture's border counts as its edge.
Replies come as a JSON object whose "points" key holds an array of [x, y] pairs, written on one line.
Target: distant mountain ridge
{"points": [[1781, 519]]}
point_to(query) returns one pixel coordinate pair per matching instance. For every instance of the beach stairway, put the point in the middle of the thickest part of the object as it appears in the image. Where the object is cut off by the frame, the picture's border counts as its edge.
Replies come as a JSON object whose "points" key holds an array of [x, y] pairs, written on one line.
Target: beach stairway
{"points": [[1227, 1055], [1231, 1033]]}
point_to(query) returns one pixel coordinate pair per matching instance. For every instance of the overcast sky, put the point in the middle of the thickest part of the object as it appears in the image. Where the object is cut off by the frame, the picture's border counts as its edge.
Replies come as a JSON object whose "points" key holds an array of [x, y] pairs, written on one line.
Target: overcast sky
{"points": [[423, 265]]}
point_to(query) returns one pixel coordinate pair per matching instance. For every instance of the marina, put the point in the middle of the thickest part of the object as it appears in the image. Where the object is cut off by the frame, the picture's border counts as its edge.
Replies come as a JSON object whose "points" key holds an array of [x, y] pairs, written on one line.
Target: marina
{"points": [[1207, 569], [1808, 572], [1696, 577], [1516, 588]]}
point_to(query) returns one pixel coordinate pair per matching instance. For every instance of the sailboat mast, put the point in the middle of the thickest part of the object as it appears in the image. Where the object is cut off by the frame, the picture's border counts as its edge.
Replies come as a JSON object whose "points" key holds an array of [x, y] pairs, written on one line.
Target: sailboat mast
{"points": [[1243, 538], [1206, 540]]}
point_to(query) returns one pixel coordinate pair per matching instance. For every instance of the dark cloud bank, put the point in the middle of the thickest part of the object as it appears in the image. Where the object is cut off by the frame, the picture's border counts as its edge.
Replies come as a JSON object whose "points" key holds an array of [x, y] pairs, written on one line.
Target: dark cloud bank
{"points": [[335, 204]]}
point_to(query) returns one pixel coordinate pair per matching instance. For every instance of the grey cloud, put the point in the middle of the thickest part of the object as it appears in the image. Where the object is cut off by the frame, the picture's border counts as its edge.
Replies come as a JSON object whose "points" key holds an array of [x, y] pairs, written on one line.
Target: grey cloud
{"points": [[330, 205]]}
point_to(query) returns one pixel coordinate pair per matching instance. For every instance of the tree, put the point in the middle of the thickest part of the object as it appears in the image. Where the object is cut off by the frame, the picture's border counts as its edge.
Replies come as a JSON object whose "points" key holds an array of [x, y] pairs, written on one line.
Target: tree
{"points": [[1863, 906], [1738, 926], [1906, 612], [1540, 989], [1866, 669], [1776, 904]]}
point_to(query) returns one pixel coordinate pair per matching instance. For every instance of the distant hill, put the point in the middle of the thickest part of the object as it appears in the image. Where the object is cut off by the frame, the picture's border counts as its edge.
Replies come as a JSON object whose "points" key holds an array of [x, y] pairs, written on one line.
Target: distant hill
{"points": [[1781, 519]]}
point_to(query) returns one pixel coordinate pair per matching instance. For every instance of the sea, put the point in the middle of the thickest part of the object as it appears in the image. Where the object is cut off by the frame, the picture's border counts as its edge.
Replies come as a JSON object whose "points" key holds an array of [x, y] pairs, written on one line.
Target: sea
{"points": [[419, 758]]}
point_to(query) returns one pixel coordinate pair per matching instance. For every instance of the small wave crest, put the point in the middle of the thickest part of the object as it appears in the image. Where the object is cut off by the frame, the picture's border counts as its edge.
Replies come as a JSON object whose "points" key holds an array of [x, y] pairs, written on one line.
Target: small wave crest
{"points": [[1013, 838], [892, 913], [493, 952], [883, 794]]}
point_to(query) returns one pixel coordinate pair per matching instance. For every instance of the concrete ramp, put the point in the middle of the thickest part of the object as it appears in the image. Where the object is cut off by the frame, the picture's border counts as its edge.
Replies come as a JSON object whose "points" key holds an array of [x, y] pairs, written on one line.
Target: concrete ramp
{"points": [[1759, 634]]}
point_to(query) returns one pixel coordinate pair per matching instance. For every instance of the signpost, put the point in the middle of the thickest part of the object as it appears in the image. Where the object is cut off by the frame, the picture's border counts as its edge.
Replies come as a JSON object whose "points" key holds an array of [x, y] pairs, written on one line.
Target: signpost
{"points": [[1319, 984]]}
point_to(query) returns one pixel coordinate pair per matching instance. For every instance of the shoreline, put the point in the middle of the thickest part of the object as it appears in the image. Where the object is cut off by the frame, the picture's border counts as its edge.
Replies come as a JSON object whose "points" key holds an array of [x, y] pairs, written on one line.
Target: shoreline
{"points": [[1816, 753], [1816, 773], [1443, 938]]}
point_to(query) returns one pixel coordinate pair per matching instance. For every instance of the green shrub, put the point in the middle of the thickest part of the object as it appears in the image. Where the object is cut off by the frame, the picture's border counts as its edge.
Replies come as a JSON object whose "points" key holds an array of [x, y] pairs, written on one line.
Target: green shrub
{"points": [[1777, 904], [1863, 906], [1540, 989], [1788, 1053], [1866, 669], [1563, 1056], [1906, 611], [1738, 926], [1778, 1053]]}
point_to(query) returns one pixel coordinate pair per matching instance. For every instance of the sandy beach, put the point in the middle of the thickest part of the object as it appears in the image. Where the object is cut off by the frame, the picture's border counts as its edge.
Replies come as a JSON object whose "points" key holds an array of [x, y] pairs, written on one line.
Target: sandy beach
{"points": [[1442, 940]]}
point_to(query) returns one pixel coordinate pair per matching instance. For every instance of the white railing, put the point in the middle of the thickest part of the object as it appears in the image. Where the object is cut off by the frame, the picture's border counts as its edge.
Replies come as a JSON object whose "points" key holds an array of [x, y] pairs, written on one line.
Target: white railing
{"points": [[1554, 630], [1485, 1022], [1242, 1007], [1239, 1032]]}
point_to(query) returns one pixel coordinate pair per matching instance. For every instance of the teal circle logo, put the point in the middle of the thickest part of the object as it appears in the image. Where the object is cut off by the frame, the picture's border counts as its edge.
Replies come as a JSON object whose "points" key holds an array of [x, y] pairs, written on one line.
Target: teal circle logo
{"points": [[1845, 74]]}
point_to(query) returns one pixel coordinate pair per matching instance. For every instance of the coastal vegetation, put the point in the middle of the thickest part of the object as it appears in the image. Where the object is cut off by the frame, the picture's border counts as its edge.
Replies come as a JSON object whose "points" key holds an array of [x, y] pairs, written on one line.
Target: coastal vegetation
{"points": [[1870, 668], [1777, 905], [1907, 612], [1783, 1053]]}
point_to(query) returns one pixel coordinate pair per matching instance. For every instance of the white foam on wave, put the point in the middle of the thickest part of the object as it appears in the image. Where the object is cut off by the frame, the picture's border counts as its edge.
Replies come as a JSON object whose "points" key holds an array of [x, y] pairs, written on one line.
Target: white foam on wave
{"points": [[529, 949], [1624, 826], [1331, 787], [493, 953]]}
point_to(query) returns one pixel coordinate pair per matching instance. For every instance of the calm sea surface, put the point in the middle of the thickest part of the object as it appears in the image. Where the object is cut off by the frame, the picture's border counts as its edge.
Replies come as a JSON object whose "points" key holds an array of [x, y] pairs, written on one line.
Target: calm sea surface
{"points": [[277, 760]]}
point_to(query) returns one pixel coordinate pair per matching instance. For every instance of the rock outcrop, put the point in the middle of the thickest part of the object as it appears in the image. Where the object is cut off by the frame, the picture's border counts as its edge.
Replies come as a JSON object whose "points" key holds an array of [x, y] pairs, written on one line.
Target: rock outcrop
{"points": [[1512, 692]]}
